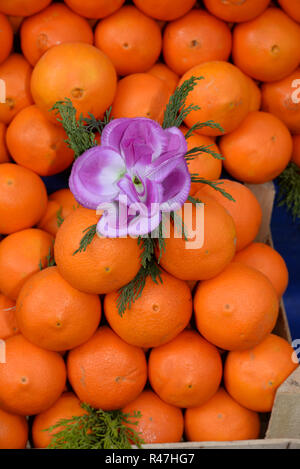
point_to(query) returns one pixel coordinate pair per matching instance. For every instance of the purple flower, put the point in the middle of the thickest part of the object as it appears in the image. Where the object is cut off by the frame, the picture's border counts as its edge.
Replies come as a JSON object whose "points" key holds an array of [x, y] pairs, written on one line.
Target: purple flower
{"points": [[137, 172]]}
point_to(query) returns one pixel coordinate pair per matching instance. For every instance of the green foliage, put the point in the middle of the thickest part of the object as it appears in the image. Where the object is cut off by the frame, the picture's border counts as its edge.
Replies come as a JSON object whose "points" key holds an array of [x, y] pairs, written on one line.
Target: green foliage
{"points": [[87, 238], [97, 125], [176, 111], [196, 151], [201, 125], [133, 290], [59, 218], [79, 138], [50, 261], [215, 185], [96, 430], [289, 190]]}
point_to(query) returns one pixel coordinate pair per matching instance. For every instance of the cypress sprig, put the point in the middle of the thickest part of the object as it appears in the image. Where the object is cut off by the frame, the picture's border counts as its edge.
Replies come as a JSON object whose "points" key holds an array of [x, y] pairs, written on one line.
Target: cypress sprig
{"points": [[89, 234], [289, 190], [216, 185], [97, 429], [196, 151]]}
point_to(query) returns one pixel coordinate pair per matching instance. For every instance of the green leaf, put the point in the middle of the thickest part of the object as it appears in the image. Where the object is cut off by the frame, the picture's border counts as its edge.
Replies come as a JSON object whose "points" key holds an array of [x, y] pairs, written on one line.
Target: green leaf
{"points": [[289, 190], [59, 218], [176, 111], [97, 429], [87, 238], [196, 151], [200, 125], [213, 184]]}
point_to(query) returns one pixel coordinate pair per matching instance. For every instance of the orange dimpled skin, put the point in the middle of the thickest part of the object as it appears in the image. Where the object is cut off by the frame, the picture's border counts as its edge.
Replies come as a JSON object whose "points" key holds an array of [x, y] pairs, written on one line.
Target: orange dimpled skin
{"points": [[106, 265], [130, 39], [268, 261], [13, 431], [253, 376], [159, 315], [23, 198], [32, 379], [141, 95], [245, 209], [159, 421], [4, 156], [94, 8], [237, 11], [8, 322], [16, 72], [267, 47], [282, 98], [222, 95], [54, 315], [291, 8], [237, 309], [37, 144], [195, 38], [185, 372], [6, 37], [205, 254], [21, 7], [54, 25], [59, 74], [255, 95], [166, 10], [106, 372], [258, 150], [170, 78], [221, 419], [21, 255], [60, 205], [66, 407]]}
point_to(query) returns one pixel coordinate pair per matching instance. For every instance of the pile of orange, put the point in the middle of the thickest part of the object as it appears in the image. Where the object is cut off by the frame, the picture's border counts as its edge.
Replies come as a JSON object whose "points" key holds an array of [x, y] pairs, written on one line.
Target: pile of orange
{"points": [[195, 354]]}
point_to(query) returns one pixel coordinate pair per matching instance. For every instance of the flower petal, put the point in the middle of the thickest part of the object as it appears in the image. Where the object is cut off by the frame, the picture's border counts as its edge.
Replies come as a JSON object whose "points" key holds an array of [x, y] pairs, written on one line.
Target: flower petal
{"points": [[176, 188], [176, 143], [113, 132], [95, 175]]}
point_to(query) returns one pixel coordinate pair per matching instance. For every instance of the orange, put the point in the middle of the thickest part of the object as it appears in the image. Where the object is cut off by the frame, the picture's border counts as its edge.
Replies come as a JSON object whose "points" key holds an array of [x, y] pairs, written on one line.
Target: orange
{"points": [[50, 312], [21, 8], [106, 372], [195, 38], [258, 150], [106, 265], [16, 72], [13, 431], [6, 37], [166, 10], [268, 261], [60, 204], [66, 407], [266, 47], [221, 419], [237, 309], [94, 8], [255, 95], [162, 311], [282, 98], [23, 198], [204, 255], [245, 211], [291, 8], [167, 75], [4, 156], [8, 322], [141, 95], [32, 379], [236, 11], [187, 371], [130, 39], [253, 376], [223, 96], [159, 421], [203, 164], [296, 150], [54, 25], [21, 255], [37, 144], [59, 74]]}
